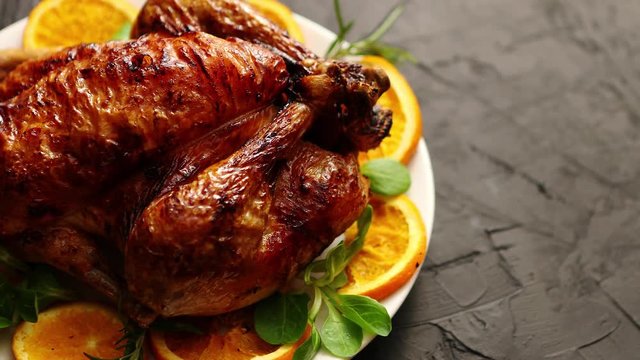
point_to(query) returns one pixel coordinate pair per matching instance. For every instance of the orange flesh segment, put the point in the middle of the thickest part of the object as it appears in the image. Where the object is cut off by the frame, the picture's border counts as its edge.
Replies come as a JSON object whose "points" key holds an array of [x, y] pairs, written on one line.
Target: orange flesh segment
{"points": [[55, 23], [394, 248], [68, 331], [229, 336]]}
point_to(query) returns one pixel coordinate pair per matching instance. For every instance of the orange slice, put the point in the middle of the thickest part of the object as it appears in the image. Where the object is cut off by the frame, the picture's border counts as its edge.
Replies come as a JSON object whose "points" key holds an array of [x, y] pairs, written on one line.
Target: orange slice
{"points": [[69, 22], [393, 249], [68, 331], [228, 336], [407, 119], [280, 15]]}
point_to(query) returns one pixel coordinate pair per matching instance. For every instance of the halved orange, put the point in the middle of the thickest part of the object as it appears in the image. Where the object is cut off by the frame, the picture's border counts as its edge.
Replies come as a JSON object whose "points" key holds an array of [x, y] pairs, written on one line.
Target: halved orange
{"points": [[393, 249], [280, 14], [407, 118], [227, 337], [69, 331], [55, 23]]}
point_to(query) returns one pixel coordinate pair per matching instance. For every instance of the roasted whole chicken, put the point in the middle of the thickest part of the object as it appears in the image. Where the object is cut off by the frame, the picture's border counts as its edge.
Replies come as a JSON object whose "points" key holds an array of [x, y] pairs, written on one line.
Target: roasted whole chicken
{"points": [[194, 170]]}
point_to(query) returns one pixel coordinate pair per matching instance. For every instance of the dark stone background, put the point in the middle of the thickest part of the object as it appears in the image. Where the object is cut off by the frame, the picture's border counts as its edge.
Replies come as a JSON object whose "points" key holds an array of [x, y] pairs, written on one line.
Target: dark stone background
{"points": [[532, 115]]}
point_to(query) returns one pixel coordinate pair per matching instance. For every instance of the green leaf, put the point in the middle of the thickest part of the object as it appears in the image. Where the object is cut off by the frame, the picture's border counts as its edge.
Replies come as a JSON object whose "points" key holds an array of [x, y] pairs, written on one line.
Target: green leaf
{"points": [[339, 281], [282, 319], [46, 287], [26, 305], [39, 290], [387, 23], [339, 257], [316, 305], [388, 177], [391, 53], [370, 44], [133, 342], [337, 45], [336, 262], [7, 299], [340, 336], [11, 261], [309, 348], [364, 311], [364, 223], [124, 32], [315, 267], [5, 323], [338, 9], [43, 286]]}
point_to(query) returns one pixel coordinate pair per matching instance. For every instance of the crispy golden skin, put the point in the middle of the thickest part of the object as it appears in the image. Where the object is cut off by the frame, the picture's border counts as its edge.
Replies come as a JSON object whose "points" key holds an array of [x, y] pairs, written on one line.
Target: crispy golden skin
{"points": [[87, 123], [33, 65], [185, 175], [349, 90], [10, 59], [223, 18], [243, 227]]}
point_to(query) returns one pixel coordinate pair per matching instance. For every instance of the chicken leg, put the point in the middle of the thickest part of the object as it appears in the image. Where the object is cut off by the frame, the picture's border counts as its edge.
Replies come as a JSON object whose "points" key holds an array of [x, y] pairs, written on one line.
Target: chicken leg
{"points": [[352, 118]]}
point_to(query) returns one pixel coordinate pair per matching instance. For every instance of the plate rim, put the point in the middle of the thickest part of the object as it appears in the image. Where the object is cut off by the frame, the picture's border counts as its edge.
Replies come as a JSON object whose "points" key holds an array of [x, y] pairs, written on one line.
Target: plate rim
{"points": [[422, 157]]}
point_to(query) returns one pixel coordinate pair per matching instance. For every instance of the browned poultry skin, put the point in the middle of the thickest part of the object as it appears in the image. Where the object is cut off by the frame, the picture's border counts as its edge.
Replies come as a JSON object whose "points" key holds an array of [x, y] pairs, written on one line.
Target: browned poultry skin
{"points": [[216, 206], [79, 255], [349, 90], [28, 73], [223, 18], [91, 121], [238, 231], [71, 244], [114, 215]]}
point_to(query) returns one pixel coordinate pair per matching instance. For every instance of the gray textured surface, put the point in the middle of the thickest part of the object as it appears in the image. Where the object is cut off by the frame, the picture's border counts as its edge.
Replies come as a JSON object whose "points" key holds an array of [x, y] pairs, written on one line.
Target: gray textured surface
{"points": [[532, 115]]}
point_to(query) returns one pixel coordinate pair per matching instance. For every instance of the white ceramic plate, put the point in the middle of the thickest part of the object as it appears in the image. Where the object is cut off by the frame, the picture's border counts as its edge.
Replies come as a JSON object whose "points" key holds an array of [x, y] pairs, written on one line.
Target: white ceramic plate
{"points": [[422, 191]]}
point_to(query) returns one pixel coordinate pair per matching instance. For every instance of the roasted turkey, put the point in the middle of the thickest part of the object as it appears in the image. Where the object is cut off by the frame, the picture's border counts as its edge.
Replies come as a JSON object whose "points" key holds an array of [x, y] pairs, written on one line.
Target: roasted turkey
{"points": [[193, 170]]}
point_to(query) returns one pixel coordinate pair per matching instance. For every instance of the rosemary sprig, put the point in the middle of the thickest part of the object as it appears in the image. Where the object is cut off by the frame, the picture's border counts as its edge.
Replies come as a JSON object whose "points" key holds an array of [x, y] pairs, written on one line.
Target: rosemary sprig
{"points": [[131, 343], [133, 337], [370, 44]]}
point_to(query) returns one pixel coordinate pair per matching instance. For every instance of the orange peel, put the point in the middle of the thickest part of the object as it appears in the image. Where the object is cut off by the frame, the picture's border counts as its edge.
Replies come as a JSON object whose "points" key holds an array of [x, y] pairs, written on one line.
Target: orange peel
{"points": [[393, 251]]}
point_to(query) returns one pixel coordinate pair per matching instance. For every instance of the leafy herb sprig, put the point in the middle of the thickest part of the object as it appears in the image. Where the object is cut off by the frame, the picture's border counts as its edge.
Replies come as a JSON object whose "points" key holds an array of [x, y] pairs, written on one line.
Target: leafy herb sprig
{"points": [[131, 343], [124, 32], [38, 287], [283, 318], [370, 44], [133, 337], [388, 177], [23, 299]]}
